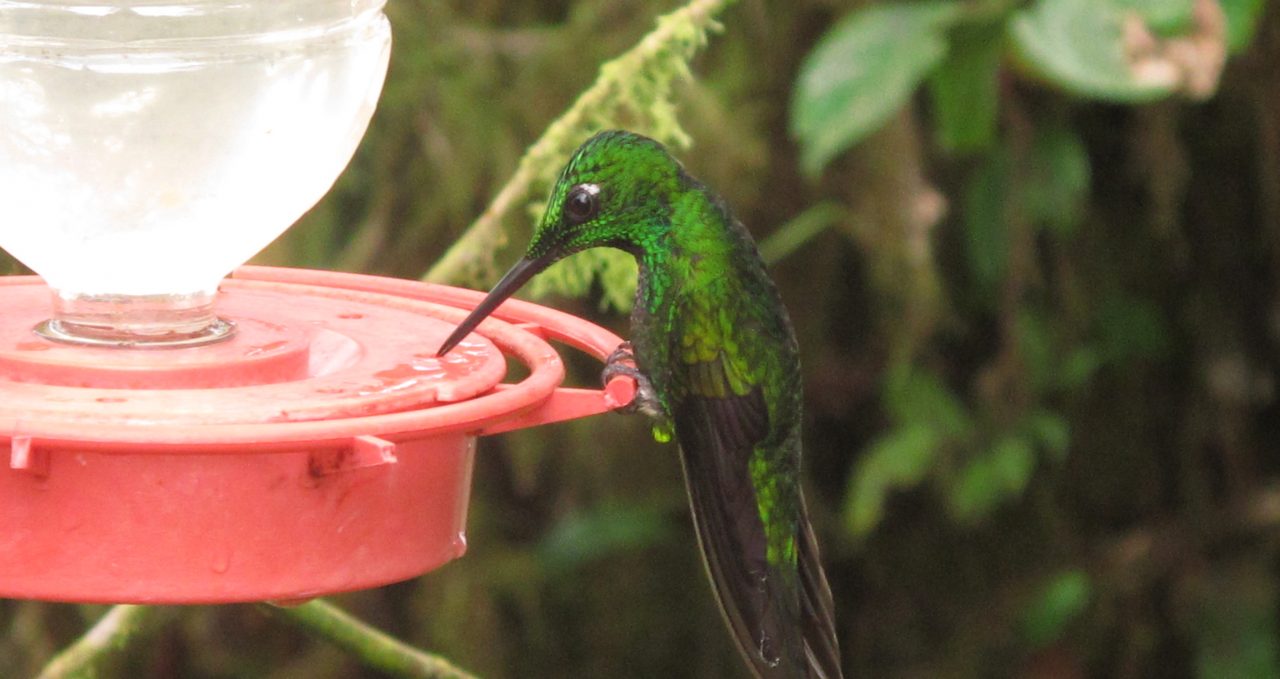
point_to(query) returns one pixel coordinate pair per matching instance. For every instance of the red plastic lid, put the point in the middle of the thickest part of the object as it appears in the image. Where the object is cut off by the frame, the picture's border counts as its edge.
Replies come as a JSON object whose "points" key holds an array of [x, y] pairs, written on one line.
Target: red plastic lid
{"points": [[300, 353], [325, 448]]}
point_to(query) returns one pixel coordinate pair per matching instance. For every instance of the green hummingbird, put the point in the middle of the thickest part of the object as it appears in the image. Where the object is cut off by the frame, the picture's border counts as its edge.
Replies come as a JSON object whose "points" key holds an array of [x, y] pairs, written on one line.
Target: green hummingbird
{"points": [[715, 359]]}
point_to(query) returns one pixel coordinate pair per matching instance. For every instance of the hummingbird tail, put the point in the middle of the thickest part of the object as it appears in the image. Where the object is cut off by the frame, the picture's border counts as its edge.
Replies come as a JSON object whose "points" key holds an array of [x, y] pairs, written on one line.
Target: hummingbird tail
{"points": [[822, 651]]}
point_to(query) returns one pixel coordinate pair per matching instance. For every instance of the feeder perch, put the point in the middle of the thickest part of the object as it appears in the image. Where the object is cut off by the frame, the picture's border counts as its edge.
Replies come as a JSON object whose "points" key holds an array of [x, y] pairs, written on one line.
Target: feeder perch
{"points": [[178, 436]]}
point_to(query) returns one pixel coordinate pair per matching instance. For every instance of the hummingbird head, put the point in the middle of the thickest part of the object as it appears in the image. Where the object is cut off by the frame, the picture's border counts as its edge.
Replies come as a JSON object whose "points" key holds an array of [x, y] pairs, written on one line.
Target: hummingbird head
{"points": [[616, 191]]}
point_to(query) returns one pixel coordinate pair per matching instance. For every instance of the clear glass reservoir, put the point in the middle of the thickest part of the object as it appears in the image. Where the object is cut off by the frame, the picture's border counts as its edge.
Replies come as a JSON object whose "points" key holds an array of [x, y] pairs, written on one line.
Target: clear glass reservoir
{"points": [[148, 147]]}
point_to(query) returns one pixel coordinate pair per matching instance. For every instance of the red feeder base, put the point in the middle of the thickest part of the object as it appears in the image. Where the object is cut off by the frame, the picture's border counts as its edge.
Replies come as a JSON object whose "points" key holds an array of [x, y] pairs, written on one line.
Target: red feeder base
{"points": [[323, 449]]}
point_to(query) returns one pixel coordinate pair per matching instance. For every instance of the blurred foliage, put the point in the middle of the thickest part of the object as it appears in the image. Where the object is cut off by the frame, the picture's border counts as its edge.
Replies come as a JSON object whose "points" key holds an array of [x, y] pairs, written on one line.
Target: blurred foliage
{"points": [[1032, 250]]}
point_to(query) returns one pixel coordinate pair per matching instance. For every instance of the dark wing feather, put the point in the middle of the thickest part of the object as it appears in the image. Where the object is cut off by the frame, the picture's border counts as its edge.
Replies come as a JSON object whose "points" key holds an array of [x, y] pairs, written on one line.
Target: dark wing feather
{"points": [[817, 606], [783, 628]]}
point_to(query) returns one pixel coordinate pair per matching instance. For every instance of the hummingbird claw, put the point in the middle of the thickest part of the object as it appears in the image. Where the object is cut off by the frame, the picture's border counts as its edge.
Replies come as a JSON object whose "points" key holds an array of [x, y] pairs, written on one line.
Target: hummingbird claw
{"points": [[624, 353], [622, 362]]}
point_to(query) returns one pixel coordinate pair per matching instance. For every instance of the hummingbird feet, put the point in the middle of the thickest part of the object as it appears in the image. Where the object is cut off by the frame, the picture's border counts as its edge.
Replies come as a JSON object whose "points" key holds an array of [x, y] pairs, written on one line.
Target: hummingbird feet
{"points": [[622, 362]]}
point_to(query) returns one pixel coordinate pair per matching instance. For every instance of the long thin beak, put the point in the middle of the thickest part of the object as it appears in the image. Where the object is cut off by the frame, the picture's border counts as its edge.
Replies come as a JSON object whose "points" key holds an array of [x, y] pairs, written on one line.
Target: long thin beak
{"points": [[518, 275]]}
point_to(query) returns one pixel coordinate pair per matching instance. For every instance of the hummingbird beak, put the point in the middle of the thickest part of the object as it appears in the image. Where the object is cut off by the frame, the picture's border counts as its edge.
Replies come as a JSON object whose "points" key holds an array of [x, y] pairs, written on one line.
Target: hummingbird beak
{"points": [[515, 278]]}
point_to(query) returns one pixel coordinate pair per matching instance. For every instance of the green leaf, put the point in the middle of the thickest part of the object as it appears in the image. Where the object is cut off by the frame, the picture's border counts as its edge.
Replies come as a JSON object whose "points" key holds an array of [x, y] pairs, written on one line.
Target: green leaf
{"points": [[1051, 431], [1013, 459], [1242, 22], [1039, 353], [1163, 17], [990, 479], [1080, 366], [928, 416], [916, 397], [1079, 46], [986, 224], [1049, 187], [581, 538], [1060, 601], [965, 90], [1129, 328], [899, 459], [800, 229], [862, 71], [1057, 180]]}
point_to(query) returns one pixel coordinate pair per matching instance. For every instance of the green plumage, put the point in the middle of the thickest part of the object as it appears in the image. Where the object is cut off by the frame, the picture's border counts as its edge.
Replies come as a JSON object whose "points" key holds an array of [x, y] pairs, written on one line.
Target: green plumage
{"points": [[714, 343]]}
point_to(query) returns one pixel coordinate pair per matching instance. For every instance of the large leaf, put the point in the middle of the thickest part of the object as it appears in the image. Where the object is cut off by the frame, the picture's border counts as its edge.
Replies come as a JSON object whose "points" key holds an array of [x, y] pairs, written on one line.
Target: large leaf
{"points": [[1079, 46], [862, 71]]}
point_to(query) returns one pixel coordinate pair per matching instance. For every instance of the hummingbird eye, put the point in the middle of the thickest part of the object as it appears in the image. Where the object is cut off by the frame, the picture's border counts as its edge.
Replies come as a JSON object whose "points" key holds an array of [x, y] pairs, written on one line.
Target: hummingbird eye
{"points": [[582, 203]]}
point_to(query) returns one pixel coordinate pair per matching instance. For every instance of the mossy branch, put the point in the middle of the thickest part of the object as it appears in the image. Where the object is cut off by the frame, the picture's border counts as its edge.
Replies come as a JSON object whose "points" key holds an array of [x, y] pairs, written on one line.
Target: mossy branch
{"points": [[633, 90], [373, 647]]}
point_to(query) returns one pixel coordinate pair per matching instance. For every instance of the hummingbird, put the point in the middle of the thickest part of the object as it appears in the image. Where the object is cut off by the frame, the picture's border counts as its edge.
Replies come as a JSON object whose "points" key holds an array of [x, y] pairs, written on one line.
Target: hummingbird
{"points": [[716, 363]]}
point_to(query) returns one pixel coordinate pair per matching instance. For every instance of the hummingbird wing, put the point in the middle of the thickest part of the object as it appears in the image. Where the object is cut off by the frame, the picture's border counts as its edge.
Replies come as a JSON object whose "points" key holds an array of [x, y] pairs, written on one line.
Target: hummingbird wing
{"points": [[776, 601]]}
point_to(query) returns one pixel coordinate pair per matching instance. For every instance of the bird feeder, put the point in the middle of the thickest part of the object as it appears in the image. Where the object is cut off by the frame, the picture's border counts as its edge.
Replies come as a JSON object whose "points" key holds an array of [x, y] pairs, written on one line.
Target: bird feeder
{"points": [[177, 435]]}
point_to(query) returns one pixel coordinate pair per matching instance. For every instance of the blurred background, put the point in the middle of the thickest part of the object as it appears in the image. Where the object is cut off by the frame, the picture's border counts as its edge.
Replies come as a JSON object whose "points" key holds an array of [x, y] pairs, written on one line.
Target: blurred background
{"points": [[1032, 251]]}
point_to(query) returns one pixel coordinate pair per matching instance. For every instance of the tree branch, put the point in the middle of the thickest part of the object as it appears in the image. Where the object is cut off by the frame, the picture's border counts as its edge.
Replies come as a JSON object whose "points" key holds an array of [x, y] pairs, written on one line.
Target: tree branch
{"points": [[372, 646], [104, 643]]}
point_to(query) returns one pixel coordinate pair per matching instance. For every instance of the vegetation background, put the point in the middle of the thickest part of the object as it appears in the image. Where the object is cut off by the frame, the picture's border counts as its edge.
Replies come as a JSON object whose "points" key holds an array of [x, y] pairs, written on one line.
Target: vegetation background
{"points": [[1032, 250]]}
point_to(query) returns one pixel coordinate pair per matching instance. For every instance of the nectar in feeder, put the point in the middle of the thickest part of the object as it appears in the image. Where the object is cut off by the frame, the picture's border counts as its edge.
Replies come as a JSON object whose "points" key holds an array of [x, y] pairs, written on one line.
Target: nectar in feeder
{"points": [[147, 149]]}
